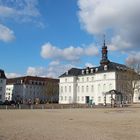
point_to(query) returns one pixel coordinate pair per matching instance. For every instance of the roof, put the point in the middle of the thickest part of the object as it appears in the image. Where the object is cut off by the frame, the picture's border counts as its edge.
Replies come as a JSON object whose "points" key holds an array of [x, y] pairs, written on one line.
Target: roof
{"points": [[2, 74], [31, 80], [112, 66]]}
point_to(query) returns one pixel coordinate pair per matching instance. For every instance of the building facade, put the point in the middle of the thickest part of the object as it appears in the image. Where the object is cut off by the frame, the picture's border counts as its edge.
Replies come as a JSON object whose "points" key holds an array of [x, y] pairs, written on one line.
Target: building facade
{"points": [[96, 84], [2, 85], [33, 89]]}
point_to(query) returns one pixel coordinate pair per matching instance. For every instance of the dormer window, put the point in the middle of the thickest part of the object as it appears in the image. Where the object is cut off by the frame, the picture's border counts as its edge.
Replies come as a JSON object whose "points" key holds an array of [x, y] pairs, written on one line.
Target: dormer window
{"points": [[82, 71], [67, 72], [105, 67], [96, 69], [91, 71], [87, 71]]}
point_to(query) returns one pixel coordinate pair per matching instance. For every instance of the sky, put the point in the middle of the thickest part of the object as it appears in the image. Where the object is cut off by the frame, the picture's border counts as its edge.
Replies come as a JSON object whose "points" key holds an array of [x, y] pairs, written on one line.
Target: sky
{"points": [[48, 37]]}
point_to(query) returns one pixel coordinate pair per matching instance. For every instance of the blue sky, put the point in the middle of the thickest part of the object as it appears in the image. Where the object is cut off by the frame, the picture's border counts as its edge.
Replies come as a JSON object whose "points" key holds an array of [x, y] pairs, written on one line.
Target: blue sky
{"points": [[47, 37]]}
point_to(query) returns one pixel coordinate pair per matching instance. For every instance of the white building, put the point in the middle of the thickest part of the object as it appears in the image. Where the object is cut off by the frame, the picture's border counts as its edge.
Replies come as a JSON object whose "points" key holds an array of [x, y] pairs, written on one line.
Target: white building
{"points": [[136, 98], [9, 92], [33, 89], [96, 84], [2, 85]]}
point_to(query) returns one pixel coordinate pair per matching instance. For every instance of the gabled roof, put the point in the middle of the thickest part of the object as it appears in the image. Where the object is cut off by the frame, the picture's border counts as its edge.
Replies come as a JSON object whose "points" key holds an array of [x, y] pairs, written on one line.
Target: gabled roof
{"points": [[2, 74], [28, 79], [112, 66]]}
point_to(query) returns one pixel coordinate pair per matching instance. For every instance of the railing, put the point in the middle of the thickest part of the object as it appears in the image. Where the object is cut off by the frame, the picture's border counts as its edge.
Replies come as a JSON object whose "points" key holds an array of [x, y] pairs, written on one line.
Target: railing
{"points": [[55, 106]]}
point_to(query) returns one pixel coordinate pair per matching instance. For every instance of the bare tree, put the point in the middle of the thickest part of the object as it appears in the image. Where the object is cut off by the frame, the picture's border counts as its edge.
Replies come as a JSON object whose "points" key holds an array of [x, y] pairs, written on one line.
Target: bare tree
{"points": [[51, 91], [132, 81]]}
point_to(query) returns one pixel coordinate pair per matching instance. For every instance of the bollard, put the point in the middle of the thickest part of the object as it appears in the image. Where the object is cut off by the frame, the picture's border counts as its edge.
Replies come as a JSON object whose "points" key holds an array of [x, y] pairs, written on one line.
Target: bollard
{"points": [[19, 107], [42, 106], [31, 106]]}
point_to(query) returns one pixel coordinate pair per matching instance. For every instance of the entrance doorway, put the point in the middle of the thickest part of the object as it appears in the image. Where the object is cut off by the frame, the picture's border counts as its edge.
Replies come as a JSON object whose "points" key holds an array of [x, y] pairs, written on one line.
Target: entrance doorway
{"points": [[87, 99]]}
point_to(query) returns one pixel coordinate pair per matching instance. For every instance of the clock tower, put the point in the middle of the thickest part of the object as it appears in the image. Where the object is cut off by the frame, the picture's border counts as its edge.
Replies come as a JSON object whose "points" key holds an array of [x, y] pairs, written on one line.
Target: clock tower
{"points": [[104, 60]]}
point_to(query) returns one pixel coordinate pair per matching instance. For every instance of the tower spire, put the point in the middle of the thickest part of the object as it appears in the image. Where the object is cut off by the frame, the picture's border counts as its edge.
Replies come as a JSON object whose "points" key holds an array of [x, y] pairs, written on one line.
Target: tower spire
{"points": [[104, 38], [104, 60]]}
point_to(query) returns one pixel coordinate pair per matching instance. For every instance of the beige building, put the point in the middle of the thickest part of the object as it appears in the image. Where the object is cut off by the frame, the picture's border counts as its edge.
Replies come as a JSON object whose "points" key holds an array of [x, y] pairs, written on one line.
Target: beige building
{"points": [[32, 88]]}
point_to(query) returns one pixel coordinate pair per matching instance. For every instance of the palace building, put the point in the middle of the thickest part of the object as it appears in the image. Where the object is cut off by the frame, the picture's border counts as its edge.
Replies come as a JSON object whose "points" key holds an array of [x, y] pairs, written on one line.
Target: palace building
{"points": [[107, 83], [32, 88]]}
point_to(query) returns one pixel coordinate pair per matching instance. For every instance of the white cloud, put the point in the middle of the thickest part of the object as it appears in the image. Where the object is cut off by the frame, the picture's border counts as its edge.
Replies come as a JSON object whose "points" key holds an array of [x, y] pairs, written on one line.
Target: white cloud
{"points": [[121, 17], [70, 53], [53, 70], [6, 12], [6, 34], [12, 75], [21, 10], [133, 58]]}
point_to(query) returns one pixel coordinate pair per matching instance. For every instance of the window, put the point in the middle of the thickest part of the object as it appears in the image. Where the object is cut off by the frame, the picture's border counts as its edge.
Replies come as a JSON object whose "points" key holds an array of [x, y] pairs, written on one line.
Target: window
{"points": [[117, 76], [87, 71], [105, 67], [96, 69], [70, 98], [104, 87], [99, 99], [82, 71], [65, 89], [78, 98], [61, 98], [99, 88], [91, 70], [86, 88], [92, 98], [61, 89], [82, 79], [87, 79], [110, 86], [104, 76], [65, 98], [67, 73], [92, 78], [78, 89], [82, 98], [66, 80], [92, 88], [69, 88], [0, 88], [82, 88]]}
